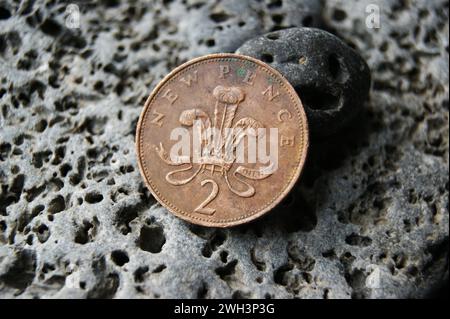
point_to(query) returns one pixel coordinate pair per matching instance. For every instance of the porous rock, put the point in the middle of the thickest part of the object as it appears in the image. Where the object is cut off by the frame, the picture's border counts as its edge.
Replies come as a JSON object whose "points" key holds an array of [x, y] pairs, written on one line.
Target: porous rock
{"points": [[369, 217]]}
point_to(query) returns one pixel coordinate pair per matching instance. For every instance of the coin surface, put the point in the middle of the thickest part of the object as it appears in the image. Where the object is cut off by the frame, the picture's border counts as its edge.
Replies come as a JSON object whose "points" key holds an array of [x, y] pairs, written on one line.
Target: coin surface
{"points": [[222, 140]]}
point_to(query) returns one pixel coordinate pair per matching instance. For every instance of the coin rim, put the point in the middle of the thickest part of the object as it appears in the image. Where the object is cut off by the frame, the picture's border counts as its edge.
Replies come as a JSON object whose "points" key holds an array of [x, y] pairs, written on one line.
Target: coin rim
{"points": [[279, 198]]}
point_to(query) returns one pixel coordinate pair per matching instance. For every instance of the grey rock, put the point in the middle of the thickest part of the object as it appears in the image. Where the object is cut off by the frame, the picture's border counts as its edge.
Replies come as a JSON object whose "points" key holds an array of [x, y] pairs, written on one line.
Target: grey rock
{"points": [[331, 79], [368, 219], [222, 26]]}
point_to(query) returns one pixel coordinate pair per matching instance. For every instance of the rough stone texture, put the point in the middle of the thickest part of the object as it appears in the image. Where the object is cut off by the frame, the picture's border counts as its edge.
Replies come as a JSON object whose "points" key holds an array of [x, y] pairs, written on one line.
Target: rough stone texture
{"points": [[332, 79], [369, 217]]}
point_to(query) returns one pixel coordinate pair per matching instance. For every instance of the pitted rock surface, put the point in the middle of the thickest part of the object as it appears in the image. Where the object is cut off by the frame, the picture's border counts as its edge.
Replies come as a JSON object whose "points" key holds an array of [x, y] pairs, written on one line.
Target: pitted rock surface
{"points": [[369, 217]]}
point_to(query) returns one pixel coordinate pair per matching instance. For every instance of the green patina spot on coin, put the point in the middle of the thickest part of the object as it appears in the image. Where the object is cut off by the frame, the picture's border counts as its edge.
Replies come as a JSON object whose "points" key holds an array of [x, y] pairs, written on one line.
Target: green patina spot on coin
{"points": [[241, 72]]}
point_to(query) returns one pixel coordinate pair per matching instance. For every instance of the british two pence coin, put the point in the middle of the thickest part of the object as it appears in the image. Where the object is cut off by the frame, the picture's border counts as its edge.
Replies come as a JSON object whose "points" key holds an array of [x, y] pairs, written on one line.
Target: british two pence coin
{"points": [[222, 140]]}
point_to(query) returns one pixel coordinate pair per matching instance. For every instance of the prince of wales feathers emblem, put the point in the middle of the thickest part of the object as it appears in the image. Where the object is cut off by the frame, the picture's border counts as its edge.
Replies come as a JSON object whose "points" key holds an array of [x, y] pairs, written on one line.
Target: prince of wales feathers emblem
{"points": [[212, 156]]}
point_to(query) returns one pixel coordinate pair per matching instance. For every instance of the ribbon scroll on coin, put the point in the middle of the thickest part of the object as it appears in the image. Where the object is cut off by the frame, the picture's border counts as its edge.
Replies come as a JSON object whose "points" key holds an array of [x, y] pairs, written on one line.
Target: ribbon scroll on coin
{"points": [[222, 140]]}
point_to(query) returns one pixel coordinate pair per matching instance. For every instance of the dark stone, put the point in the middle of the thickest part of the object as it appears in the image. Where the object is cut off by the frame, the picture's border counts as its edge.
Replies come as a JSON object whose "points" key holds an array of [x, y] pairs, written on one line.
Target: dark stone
{"points": [[331, 78]]}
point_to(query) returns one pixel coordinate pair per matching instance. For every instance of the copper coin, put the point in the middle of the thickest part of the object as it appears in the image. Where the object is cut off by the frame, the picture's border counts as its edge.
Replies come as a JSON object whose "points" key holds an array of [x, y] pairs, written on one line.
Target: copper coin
{"points": [[222, 140]]}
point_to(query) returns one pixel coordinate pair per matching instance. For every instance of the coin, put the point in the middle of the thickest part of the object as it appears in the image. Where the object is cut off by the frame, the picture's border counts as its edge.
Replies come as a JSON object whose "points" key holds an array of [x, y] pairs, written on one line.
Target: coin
{"points": [[222, 140]]}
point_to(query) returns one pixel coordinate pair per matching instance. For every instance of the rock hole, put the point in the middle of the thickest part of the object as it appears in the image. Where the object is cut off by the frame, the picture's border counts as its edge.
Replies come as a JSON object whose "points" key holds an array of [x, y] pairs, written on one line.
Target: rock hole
{"points": [[298, 216], [259, 264], [98, 86], [302, 60], [74, 179], [43, 233], [300, 257], [334, 66], [47, 268], [202, 291], [5, 148], [279, 274], [357, 280], [64, 169], [93, 197], [275, 4], [273, 36], [40, 126], [37, 86], [66, 103], [316, 99], [42, 229], [17, 185], [105, 288], [307, 277], [219, 17], [413, 271], [111, 3], [124, 169], [357, 240], [199, 231], [267, 57], [82, 234], [210, 42], [51, 27], [400, 260], [18, 140], [215, 241], [159, 269], [307, 21], [226, 271], [4, 13], [152, 238], [277, 18], [120, 257], [22, 271], [15, 169], [139, 274], [339, 15], [56, 205], [329, 254], [125, 215], [207, 251], [239, 294], [288, 201], [224, 256]]}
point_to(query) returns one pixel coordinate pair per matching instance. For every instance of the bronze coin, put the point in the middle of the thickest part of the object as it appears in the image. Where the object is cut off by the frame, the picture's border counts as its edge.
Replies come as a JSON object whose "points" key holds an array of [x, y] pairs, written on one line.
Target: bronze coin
{"points": [[222, 140]]}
